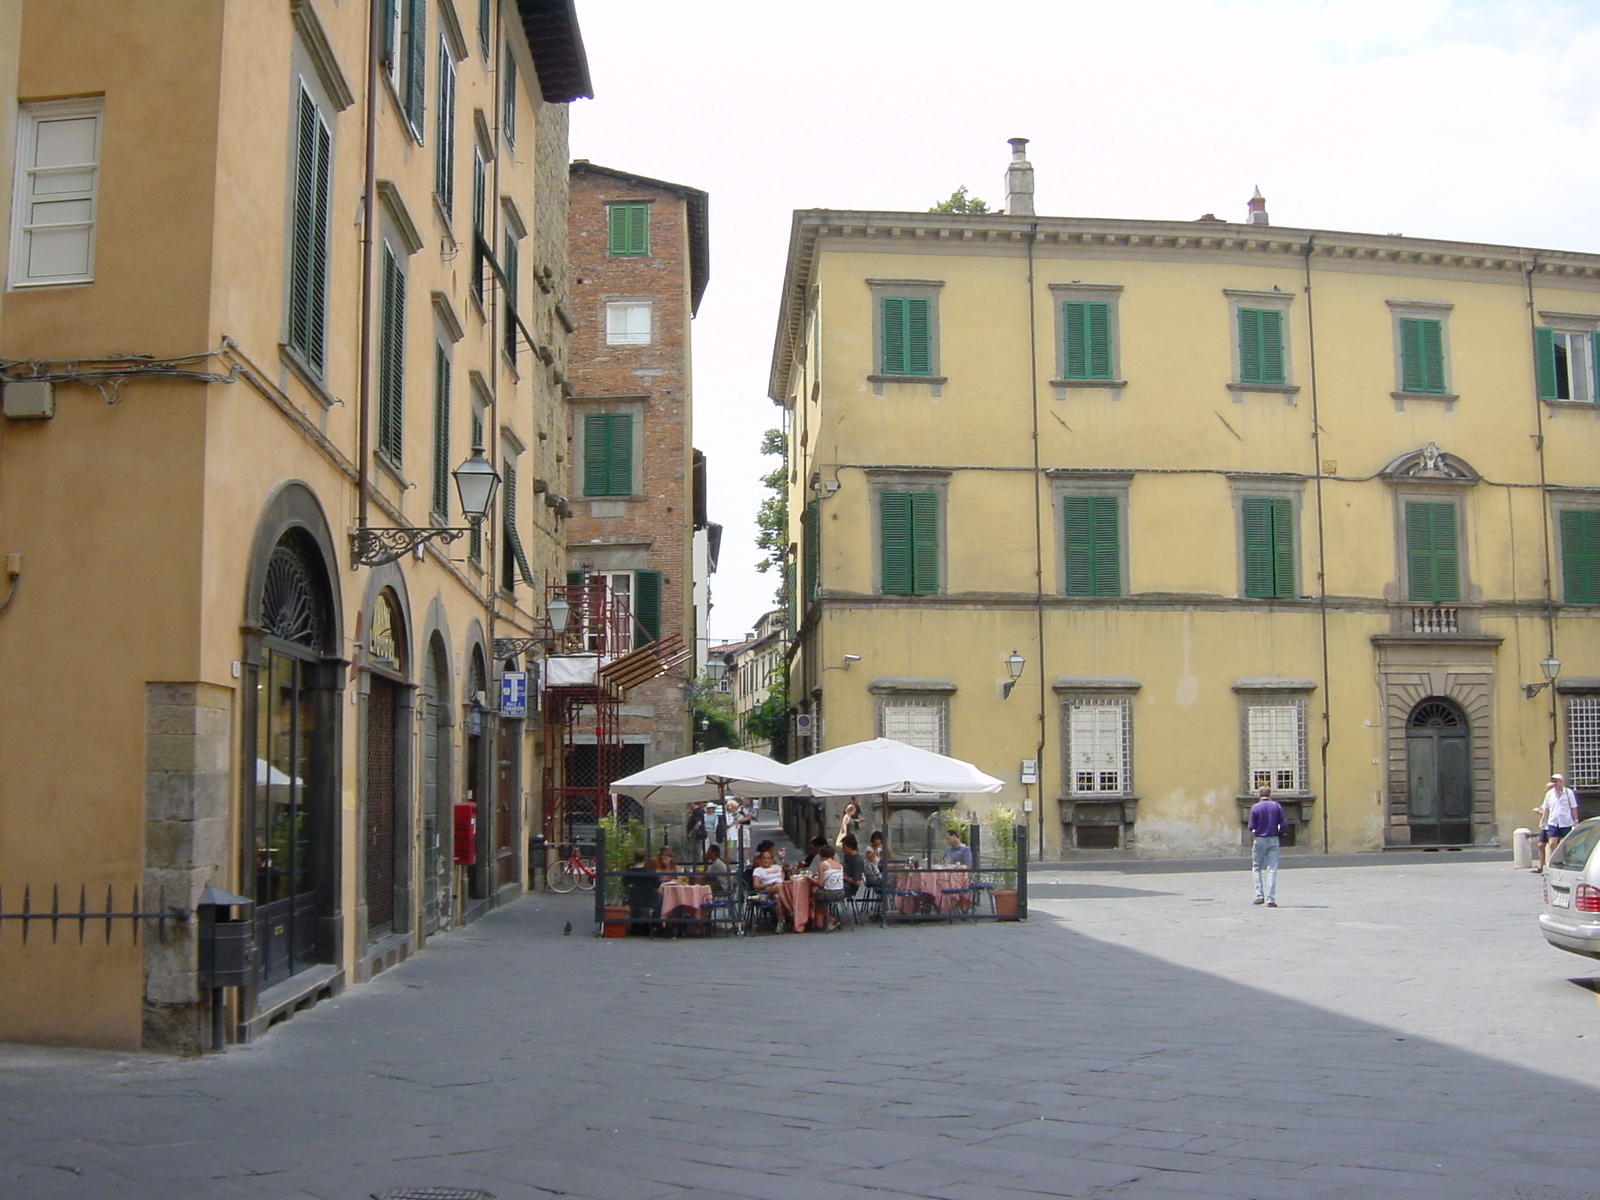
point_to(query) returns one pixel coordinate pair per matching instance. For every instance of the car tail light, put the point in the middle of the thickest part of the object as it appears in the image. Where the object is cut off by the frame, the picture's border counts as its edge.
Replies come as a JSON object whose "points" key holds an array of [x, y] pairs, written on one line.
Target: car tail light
{"points": [[1586, 899], [1546, 883]]}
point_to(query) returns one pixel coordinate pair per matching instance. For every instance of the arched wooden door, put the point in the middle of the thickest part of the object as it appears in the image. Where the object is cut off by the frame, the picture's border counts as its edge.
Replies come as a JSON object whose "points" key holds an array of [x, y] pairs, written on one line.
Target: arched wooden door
{"points": [[436, 800], [1439, 774]]}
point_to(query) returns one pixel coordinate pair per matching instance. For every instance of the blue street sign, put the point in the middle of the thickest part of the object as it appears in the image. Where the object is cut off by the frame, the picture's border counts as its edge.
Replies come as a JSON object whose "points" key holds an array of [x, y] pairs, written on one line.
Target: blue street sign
{"points": [[514, 694]]}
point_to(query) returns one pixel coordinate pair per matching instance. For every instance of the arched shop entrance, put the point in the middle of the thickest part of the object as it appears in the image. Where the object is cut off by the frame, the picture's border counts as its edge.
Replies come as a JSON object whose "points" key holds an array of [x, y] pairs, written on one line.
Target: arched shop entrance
{"points": [[386, 826]]}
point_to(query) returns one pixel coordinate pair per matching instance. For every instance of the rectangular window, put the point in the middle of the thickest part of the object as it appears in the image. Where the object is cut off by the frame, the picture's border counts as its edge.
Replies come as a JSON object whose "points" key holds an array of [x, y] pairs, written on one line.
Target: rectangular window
{"points": [[1261, 346], [480, 216], [54, 208], [1097, 746], [628, 230], [907, 335], [1583, 741], [1421, 355], [1093, 546], [508, 99], [909, 541], [404, 32], [308, 235], [440, 507], [919, 723], [1086, 328], [513, 559], [810, 549], [1567, 364], [628, 324], [444, 148], [391, 357], [511, 267], [1268, 524], [1580, 555], [484, 21], [1433, 570], [1275, 746], [608, 454]]}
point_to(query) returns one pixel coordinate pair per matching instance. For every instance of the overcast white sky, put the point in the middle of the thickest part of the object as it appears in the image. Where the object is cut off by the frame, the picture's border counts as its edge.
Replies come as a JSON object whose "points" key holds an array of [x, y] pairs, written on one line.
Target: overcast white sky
{"points": [[1469, 119]]}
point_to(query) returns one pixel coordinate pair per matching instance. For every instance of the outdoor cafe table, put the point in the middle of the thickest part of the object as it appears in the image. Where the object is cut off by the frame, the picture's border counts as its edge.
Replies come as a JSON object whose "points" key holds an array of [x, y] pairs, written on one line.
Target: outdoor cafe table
{"points": [[693, 896], [797, 892], [934, 885]]}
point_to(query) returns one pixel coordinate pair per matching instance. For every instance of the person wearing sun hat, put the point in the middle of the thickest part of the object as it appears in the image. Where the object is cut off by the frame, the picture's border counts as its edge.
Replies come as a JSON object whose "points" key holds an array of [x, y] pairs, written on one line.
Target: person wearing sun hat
{"points": [[1557, 815]]}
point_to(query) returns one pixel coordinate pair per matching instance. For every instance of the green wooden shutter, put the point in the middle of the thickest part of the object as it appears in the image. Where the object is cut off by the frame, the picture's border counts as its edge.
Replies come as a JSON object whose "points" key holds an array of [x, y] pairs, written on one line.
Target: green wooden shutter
{"points": [[391, 359], [608, 454], [308, 253], [475, 537], [512, 269], [1093, 566], [444, 150], [1087, 327], [924, 543], [1433, 567], [1580, 556], [483, 27], [646, 607], [810, 549], [628, 229], [1544, 357], [1268, 547], [388, 33], [906, 335], [894, 518], [417, 62], [1261, 346], [514, 559], [1421, 355], [441, 434], [508, 100]]}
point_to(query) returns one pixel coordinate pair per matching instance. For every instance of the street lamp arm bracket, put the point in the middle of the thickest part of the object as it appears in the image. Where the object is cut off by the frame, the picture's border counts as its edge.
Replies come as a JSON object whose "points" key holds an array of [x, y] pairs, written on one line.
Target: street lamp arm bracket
{"points": [[375, 547]]}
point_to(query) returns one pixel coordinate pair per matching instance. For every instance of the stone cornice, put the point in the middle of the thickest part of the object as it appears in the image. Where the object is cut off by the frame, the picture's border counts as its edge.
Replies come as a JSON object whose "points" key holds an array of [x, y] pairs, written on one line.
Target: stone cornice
{"points": [[1001, 234]]}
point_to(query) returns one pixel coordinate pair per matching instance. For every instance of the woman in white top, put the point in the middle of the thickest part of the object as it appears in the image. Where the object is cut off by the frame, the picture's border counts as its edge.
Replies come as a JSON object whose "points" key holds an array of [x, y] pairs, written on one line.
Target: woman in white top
{"points": [[827, 879]]}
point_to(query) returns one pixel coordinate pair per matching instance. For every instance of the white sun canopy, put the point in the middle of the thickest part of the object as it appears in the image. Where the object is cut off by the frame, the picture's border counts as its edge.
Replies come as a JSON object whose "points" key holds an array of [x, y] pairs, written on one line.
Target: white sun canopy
{"points": [[709, 775], [885, 765]]}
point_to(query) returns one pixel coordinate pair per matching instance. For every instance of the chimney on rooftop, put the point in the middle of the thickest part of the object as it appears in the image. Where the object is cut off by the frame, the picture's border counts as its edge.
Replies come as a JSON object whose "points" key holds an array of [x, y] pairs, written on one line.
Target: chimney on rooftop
{"points": [[1019, 180], [1258, 208]]}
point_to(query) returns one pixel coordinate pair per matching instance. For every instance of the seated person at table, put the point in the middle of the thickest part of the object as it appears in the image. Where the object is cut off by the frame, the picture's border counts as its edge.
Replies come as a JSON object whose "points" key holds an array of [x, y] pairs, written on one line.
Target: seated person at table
{"points": [[666, 864], [827, 881], [877, 856], [716, 870], [765, 846], [766, 879], [815, 846], [958, 853], [855, 867], [642, 886]]}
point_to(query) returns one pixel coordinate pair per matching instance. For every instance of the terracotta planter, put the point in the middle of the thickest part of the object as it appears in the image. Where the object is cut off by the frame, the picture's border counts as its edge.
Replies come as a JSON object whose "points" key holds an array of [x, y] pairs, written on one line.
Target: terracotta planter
{"points": [[1005, 903], [616, 921]]}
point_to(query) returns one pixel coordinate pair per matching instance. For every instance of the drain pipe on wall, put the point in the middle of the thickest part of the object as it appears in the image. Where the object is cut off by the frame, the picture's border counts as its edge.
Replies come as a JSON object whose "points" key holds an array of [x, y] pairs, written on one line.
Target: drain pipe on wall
{"points": [[1038, 533], [1544, 508], [369, 199], [1322, 544]]}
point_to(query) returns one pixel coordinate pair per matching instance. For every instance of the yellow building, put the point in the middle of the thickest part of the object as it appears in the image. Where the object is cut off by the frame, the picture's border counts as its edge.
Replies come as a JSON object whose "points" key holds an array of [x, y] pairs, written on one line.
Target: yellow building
{"points": [[276, 269], [1252, 505]]}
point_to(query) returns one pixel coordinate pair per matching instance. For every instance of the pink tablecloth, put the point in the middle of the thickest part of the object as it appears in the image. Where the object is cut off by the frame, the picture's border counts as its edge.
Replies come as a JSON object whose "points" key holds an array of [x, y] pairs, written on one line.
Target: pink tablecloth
{"points": [[798, 894], [683, 895], [934, 884]]}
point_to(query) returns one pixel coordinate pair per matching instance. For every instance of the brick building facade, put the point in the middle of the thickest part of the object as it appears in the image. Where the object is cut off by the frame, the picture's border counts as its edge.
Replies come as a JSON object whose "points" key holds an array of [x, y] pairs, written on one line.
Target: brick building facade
{"points": [[639, 268]]}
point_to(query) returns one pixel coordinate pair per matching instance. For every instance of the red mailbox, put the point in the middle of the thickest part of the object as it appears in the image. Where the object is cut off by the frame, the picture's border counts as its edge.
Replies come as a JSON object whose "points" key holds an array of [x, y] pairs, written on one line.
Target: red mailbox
{"points": [[466, 834]]}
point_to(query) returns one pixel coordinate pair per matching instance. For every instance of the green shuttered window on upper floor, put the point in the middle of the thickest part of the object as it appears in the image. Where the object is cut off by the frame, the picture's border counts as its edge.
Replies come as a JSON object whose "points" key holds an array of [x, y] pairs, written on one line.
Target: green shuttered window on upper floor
{"points": [[1580, 556], [1268, 524], [1422, 355], [1261, 346], [909, 543], [439, 504], [646, 608], [608, 454], [1568, 363], [628, 230], [1093, 549], [308, 235], [391, 358], [906, 332], [1086, 331], [810, 550], [1433, 564]]}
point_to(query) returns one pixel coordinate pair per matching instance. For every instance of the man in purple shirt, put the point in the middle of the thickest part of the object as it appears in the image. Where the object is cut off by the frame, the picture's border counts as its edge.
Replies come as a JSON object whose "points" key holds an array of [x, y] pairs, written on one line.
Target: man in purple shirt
{"points": [[1267, 824]]}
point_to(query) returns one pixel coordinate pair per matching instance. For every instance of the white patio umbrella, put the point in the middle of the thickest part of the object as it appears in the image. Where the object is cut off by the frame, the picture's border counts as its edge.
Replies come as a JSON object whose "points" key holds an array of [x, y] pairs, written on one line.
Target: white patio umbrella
{"points": [[885, 765], [709, 775]]}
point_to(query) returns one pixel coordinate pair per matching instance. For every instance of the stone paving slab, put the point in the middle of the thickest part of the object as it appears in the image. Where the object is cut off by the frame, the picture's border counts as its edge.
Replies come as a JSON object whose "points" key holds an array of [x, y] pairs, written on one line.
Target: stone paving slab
{"points": [[1395, 1031]]}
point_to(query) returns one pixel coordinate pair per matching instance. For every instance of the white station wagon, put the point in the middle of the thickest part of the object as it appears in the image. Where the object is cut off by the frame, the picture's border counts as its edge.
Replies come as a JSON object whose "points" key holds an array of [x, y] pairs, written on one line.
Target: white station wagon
{"points": [[1571, 917]]}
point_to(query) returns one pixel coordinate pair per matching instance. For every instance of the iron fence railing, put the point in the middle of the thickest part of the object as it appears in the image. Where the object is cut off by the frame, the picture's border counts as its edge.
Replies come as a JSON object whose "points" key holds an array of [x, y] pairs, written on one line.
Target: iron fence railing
{"points": [[83, 917]]}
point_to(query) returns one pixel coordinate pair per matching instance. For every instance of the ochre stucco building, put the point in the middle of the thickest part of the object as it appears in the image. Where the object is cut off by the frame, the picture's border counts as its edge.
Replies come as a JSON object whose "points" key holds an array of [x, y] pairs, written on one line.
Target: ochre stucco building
{"points": [[231, 345], [1254, 505]]}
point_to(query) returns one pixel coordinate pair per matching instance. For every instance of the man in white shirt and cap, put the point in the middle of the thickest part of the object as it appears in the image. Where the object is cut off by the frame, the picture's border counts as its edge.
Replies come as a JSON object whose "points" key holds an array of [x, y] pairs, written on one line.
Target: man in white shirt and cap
{"points": [[1557, 815]]}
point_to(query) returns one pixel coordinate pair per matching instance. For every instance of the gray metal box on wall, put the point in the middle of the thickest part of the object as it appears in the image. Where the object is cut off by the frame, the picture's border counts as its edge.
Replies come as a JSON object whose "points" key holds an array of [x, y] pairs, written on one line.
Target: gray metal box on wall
{"points": [[29, 399]]}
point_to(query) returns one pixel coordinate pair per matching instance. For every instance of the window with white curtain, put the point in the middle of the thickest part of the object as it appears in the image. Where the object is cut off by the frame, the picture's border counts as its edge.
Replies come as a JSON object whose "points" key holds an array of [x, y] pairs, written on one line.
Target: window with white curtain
{"points": [[628, 323], [1097, 746]]}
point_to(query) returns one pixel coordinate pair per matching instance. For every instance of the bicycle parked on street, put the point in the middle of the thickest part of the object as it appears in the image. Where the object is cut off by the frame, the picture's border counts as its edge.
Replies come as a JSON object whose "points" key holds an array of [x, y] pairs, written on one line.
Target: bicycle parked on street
{"points": [[575, 868]]}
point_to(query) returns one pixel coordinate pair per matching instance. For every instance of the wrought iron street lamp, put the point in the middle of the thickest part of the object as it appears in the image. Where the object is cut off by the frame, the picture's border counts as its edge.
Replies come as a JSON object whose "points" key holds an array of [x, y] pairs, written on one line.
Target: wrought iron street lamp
{"points": [[558, 612], [476, 483], [1014, 665], [1551, 666]]}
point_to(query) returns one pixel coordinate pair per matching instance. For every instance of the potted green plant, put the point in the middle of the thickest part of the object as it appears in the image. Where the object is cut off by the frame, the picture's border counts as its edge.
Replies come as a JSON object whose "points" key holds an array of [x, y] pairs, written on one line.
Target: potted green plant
{"points": [[622, 839], [1001, 835]]}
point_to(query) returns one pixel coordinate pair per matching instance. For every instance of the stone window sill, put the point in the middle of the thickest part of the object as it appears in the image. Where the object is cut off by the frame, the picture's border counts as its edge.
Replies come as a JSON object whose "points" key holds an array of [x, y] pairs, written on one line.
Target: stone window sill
{"points": [[1584, 405], [1089, 383], [1445, 396], [935, 379], [1280, 389]]}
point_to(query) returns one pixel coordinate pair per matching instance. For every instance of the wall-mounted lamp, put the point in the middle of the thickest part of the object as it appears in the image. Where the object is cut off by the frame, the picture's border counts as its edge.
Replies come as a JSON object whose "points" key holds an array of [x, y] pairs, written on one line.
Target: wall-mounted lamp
{"points": [[716, 669], [1014, 665], [558, 612], [476, 481], [1551, 666]]}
